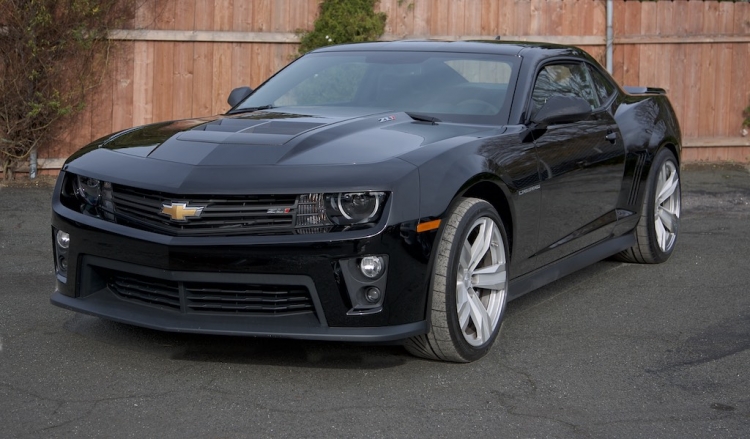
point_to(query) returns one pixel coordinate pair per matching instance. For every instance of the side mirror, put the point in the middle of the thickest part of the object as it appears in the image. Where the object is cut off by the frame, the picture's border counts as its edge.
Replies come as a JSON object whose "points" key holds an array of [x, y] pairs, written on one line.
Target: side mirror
{"points": [[238, 95], [561, 109]]}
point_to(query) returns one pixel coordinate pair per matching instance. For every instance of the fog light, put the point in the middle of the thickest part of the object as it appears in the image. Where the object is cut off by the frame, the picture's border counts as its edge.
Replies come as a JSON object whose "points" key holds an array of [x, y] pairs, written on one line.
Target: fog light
{"points": [[371, 266], [63, 239], [63, 264], [372, 295]]}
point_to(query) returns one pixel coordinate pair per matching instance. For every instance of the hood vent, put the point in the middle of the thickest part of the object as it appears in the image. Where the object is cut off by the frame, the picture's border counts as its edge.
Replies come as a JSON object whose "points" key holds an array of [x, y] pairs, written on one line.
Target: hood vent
{"points": [[291, 128], [287, 128]]}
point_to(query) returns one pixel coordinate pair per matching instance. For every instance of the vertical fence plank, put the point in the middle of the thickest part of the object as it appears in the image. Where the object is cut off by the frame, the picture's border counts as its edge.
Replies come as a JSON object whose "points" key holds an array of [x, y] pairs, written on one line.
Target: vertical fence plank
{"points": [[261, 16], [203, 53], [537, 14], [163, 80], [391, 25], [143, 80], [708, 70], [280, 16], [472, 20], [242, 16], [222, 77], [439, 17], [489, 13], [632, 52], [101, 100], [506, 18], [122, 90], [164, 63], [182, 86], [422, 18], [555, 18], [523, 18]]}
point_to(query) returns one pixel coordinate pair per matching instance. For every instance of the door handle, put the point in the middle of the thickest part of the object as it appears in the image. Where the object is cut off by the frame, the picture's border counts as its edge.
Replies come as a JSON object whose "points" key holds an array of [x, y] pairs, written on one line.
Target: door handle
{"points": [[611, 136]]}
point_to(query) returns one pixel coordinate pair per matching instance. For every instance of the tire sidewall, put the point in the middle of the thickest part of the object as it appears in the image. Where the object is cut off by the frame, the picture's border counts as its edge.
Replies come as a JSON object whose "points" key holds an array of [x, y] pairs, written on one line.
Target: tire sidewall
{"points": [[477, 210]]}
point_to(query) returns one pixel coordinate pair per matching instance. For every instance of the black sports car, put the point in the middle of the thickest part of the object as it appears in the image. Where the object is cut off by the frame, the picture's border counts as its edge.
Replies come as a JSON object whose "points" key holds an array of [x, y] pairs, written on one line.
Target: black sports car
{"points": [[372, 192]]}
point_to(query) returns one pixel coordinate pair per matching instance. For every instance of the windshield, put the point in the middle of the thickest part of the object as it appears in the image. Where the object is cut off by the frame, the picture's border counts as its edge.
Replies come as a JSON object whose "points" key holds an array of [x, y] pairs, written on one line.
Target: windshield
{"points": [[453, 87]]}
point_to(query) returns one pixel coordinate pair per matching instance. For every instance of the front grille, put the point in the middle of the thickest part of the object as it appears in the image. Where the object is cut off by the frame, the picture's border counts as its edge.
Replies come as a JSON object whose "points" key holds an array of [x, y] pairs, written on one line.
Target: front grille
{"points": [[220, 216], [222, 298]]}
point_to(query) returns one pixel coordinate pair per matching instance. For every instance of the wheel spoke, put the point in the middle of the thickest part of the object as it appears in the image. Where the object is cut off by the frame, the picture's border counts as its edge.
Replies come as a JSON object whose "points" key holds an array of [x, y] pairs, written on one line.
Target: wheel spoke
{"points": [[661, 235], [492, 277], [480, 317], [666, 187], [481, 243], [669, 220], [462, 302], [465, 257]]}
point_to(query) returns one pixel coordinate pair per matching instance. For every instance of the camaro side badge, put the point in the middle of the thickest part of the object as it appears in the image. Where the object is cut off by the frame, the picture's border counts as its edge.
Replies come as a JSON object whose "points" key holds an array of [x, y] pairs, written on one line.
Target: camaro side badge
{"points": [[180, 211], [387, 118], [529, 189]]}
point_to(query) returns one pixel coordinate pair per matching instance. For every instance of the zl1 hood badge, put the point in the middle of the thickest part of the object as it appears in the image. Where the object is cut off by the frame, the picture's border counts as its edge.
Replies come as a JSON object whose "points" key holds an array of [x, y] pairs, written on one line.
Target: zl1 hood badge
{"points": [[181, 211]]}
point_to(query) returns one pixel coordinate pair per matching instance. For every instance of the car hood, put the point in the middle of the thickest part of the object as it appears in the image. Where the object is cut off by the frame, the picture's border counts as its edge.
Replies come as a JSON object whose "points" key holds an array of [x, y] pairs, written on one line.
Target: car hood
{"points": [[316, 149], [305, 136]]}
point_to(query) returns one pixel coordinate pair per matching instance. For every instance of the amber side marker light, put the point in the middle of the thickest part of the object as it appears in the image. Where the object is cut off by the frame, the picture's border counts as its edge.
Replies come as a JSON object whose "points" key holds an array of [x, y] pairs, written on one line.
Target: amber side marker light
{"points": [[429, 225]]}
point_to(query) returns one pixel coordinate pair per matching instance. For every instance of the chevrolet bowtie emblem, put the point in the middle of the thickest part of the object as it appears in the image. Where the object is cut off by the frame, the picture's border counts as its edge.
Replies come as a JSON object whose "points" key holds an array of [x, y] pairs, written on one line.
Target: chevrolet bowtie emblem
{"points": [[180, 211]]}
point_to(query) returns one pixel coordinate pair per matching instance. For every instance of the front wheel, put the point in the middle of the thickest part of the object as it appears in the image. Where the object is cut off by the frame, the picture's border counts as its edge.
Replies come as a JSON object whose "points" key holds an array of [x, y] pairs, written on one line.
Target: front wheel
{"points": [[659, 224], [469, 285]]}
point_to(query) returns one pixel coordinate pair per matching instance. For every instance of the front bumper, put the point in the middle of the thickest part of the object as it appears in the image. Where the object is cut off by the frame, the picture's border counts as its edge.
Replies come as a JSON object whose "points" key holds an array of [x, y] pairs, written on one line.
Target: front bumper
{"points": [[101, 254]]}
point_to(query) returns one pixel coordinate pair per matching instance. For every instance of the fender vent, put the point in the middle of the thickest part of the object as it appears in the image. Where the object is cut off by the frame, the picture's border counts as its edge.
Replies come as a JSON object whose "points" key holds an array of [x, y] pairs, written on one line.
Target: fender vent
{"points": [[639, 165]]}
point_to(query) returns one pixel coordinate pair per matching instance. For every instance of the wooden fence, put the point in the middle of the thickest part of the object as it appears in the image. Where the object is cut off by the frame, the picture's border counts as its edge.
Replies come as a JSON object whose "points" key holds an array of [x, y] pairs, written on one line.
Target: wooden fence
{"points": [[180, 58]]}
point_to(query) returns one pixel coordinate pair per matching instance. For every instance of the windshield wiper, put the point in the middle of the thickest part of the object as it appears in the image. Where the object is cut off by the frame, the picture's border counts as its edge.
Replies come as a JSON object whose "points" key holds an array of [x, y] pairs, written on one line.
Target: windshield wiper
{"points": [[251, 109], [423, 117]]}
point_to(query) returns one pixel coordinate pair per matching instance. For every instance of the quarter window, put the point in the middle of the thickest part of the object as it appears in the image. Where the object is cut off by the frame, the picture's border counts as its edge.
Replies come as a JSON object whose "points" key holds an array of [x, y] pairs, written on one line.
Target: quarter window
{"points": [[604, 88]]}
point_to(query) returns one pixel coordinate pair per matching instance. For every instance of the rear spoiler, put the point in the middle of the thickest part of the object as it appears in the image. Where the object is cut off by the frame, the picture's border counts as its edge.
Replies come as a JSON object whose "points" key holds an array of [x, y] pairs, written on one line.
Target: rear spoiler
{"points": [[644, 90]]}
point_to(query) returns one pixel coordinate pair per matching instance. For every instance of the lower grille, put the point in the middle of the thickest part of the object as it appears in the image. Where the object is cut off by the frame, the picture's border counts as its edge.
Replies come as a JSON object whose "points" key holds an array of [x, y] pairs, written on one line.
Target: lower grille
{"points": [[223, 298], [264, 299], [144, 289]]}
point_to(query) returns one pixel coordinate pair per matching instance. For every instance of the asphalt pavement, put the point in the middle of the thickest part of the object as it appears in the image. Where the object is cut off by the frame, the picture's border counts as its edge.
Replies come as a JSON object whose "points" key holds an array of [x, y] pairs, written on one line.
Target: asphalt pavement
{"points": [[614, 351]]}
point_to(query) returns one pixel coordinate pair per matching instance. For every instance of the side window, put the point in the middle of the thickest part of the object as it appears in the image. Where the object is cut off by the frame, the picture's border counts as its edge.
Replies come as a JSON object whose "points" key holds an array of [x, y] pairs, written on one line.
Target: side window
{"points": [[603, 86], [569, 79]]}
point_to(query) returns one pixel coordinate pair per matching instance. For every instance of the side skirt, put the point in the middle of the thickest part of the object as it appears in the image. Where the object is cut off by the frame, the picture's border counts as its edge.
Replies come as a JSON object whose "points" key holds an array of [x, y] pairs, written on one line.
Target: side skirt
{"points": [[541, 277]]}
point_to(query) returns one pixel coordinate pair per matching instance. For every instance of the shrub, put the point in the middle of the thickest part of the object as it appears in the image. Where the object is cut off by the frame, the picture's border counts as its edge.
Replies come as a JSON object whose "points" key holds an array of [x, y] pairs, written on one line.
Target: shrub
{"points": [[344, 21], [52, 53]]}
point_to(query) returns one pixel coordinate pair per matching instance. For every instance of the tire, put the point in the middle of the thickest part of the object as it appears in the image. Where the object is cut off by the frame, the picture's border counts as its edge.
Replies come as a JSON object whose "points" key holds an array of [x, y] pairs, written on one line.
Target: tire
{"points": [[472, 253], [659, 225]]}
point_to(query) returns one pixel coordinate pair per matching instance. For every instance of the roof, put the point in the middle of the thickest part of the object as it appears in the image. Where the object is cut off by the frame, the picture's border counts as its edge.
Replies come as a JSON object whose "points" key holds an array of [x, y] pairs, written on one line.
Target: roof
{"points": [[513, 48]]}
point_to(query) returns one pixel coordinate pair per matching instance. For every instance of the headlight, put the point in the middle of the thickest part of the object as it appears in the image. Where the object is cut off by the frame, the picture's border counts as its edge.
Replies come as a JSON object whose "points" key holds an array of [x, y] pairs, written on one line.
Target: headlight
{"points": [[89, 195], [88, 189], [316, 213], [354, 207]]}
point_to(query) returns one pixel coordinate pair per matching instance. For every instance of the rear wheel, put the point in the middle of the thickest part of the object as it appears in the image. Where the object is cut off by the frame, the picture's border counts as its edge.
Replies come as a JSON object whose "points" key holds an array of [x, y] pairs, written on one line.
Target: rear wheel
{"points": [[659, 224], [469, 285]]}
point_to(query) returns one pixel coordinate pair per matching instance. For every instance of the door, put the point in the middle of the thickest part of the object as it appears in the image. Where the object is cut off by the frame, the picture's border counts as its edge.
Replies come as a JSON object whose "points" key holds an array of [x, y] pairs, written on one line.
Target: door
{"points": [[581, 165]]}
